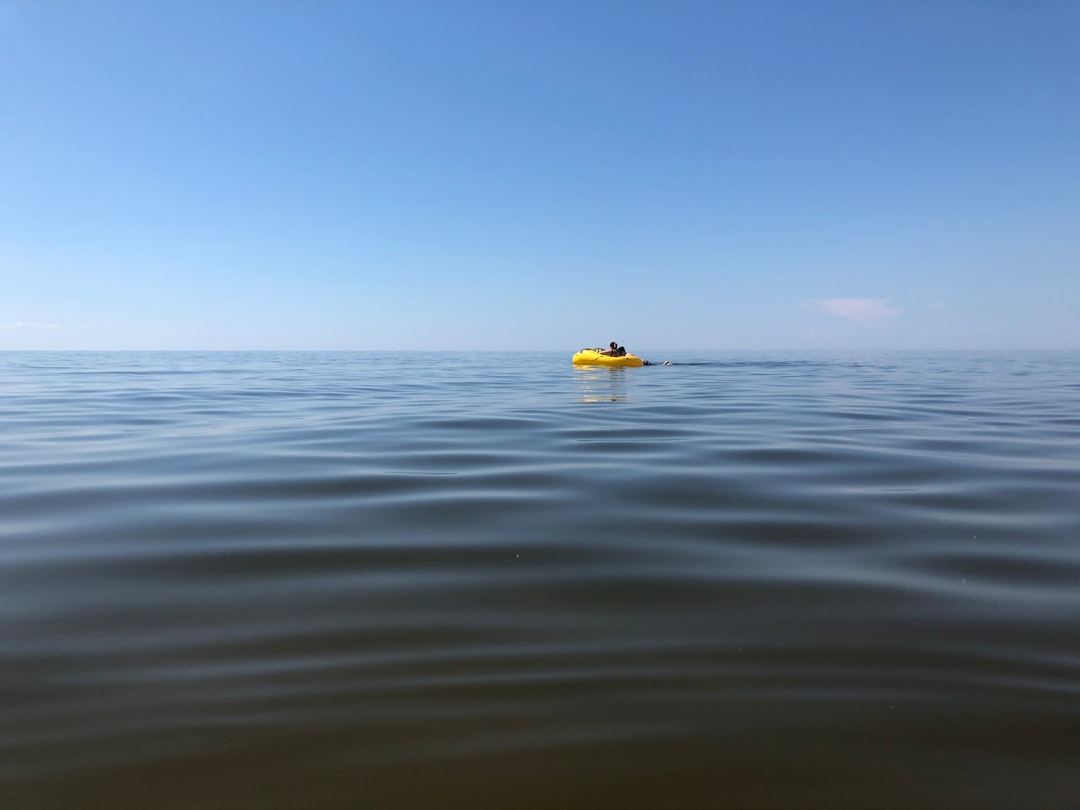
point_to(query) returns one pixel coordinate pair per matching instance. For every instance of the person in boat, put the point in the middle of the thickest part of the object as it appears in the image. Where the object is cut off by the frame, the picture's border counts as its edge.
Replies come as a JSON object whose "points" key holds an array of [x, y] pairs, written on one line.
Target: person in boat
{"points": [[615, 350]]}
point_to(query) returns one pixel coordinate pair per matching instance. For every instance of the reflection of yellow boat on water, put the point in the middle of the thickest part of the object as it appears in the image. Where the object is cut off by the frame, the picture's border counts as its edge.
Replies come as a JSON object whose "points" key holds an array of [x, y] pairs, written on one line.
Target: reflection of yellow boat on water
{"points": [[592, 357]]}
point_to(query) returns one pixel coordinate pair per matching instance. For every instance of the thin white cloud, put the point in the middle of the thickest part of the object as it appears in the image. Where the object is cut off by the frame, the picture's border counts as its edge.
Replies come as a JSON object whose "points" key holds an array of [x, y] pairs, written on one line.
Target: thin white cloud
{"points": [[860, 310], [29, 325]]}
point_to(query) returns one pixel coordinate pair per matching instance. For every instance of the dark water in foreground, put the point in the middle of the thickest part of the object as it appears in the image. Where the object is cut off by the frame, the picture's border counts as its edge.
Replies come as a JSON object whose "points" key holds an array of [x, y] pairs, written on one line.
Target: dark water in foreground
{"points": [[491, 581]]}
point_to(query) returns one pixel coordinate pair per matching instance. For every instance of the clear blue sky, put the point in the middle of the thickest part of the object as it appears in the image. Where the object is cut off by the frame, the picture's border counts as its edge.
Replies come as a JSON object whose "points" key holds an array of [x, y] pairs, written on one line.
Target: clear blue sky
{"points": [[539, 174]]}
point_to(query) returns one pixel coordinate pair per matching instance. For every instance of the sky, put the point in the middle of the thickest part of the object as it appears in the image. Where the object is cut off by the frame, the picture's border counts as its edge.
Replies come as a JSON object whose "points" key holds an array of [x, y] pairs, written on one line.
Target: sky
{"points": [[540, 174]]}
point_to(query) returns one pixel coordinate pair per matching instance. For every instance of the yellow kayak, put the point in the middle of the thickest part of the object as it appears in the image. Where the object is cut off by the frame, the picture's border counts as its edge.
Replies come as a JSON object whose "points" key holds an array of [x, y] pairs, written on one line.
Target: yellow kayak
{"points": [[591, 357]]}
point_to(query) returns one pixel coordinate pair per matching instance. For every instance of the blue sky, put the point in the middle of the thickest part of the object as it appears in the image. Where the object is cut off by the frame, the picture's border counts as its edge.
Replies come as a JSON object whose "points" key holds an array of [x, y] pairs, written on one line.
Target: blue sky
{"points": [[482, 174]]}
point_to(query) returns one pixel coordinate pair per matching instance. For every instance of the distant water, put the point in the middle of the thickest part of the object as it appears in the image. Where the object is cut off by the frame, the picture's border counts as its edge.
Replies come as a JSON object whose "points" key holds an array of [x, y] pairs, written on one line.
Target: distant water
{"points": [[261, 580]]}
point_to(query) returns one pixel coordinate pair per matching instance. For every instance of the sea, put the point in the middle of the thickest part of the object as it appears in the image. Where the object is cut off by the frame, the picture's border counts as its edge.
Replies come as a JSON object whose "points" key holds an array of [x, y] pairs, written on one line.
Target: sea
{"points": [[317, 580]]}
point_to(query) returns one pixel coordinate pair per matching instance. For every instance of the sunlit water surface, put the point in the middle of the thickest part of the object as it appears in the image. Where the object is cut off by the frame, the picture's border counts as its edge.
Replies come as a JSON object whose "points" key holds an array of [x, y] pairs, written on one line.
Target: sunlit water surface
{"points": [[262, 580]]}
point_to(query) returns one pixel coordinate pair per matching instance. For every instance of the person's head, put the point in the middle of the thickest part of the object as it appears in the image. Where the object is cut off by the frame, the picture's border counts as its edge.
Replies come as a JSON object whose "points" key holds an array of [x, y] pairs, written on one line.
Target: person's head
{"points": [[613, 344]]}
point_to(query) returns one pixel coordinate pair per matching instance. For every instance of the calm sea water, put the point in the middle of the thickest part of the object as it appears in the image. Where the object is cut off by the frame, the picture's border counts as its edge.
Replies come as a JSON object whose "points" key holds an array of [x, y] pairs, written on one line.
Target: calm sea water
{"points": [[262, 580]]}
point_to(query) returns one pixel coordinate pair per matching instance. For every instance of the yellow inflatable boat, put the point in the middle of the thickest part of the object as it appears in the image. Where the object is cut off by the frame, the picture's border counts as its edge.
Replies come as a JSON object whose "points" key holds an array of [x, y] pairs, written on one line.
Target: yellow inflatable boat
{"points": [[592, 357]]}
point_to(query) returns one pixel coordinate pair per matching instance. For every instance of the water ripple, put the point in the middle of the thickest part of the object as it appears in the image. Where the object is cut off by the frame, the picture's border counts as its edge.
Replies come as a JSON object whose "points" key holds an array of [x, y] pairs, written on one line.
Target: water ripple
{"points": [[263, 580]]}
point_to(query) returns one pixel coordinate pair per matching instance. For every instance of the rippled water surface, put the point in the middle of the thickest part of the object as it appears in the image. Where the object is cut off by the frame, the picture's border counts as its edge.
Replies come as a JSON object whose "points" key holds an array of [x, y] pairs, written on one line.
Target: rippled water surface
{"points": [[499, 581]]}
